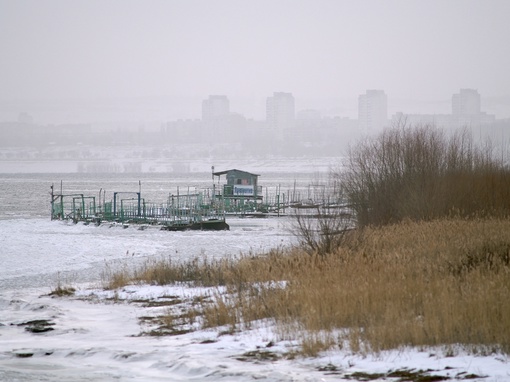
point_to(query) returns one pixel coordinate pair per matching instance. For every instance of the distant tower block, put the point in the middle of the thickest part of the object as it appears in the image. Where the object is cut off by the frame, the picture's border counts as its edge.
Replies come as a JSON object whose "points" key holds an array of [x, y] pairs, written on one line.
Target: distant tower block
{"points": [[280, 112], [466, 110], [216, 106], [372, 110], [466, 102]]}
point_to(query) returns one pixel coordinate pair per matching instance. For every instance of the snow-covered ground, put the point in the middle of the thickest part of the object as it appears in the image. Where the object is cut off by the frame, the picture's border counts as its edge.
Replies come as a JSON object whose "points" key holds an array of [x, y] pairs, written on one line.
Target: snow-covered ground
{"points": [[97, 339], [97, 335]]}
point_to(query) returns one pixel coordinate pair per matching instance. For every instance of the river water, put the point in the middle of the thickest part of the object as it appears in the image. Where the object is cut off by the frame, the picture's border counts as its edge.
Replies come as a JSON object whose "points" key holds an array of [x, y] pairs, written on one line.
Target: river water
{"points": [[38, 252]]}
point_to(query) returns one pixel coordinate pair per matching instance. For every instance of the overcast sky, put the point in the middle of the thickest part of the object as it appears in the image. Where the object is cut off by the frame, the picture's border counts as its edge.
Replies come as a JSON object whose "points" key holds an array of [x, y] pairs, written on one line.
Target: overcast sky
{"points": [[319, 50]]}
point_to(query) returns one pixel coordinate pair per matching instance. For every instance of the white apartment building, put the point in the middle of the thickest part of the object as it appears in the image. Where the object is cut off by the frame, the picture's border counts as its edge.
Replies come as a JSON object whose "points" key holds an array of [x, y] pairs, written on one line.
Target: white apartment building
{"points": [[466, 110], [214, 107], [466, 102], [372, 111], [280, 111]]}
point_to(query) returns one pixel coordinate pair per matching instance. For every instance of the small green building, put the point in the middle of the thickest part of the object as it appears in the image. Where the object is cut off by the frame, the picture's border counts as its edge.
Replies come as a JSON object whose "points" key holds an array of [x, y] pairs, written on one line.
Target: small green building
{"points": [[241, 192]]}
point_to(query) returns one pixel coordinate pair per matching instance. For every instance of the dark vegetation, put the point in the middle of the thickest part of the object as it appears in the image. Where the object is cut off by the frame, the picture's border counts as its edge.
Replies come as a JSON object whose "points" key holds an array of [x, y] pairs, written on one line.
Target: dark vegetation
{"points": [[424, 174]]}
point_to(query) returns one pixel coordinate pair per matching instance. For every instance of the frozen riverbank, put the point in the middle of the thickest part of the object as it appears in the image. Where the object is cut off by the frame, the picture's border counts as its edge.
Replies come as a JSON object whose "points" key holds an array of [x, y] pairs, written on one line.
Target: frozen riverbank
{"points": [[94, 338], [35, 252]]}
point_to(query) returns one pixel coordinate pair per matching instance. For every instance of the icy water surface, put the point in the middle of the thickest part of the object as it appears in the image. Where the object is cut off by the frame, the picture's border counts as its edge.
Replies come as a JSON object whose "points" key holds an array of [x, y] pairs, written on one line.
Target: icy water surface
{"points": [[37, 252]]}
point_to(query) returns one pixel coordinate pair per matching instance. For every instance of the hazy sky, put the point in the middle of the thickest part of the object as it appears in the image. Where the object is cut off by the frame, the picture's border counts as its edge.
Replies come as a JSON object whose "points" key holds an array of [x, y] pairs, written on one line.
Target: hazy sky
{"points": [[320, 50]]}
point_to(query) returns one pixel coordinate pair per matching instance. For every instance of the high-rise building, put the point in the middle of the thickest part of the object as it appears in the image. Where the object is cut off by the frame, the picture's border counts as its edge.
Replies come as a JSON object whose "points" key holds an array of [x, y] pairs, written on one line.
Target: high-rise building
{"points": [[216, 106], [466, 103], [372, 110], [467, 111], [280, 111]]}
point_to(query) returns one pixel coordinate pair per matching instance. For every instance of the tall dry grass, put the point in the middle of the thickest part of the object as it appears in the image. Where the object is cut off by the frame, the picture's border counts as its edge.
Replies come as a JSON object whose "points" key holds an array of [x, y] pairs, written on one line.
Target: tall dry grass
{"points": [[416, 284], [443, 282], [199, 271]]}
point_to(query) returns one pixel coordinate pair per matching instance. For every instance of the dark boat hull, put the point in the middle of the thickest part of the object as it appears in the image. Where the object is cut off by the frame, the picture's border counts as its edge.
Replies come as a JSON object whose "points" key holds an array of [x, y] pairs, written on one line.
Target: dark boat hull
{"points": [[209, 225]]}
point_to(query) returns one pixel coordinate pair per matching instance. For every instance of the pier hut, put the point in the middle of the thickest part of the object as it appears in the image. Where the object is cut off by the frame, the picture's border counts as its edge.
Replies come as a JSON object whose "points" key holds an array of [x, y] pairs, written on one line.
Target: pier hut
{"points": [[241, 192]]}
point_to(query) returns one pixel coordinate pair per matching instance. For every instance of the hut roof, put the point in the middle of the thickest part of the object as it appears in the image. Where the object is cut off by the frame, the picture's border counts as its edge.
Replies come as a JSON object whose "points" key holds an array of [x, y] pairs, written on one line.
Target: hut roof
{"points": [[228, 171]]}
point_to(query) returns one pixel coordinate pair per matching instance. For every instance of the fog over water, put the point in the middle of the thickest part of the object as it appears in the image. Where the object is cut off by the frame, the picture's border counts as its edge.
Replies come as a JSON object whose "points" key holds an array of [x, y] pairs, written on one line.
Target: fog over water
{"points": [[110, 86]]}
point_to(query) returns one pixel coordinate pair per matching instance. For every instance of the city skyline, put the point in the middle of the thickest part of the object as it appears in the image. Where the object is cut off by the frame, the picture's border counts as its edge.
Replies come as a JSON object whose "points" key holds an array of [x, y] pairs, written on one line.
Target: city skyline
{"points": [[372, 110], [214, 101]]}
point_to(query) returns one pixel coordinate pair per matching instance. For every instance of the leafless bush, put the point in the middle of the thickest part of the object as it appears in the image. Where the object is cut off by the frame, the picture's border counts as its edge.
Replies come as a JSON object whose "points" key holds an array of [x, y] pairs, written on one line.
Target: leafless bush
{"points": [[422, 174], [321, 230]]}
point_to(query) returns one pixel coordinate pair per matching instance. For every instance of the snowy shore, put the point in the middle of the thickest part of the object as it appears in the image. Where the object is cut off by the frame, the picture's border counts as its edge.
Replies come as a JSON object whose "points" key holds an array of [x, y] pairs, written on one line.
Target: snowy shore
{"points": [[99, 336]]}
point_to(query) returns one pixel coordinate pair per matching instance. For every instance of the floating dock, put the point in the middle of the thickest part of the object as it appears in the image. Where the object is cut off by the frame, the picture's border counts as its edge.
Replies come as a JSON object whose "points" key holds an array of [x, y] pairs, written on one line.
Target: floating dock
{"points": [[204, 209], [197, 211]]}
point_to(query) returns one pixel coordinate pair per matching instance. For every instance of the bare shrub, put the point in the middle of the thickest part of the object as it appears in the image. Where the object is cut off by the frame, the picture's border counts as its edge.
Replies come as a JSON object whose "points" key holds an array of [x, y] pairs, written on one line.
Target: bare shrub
{"points": [[422, 174], [321, 230]]}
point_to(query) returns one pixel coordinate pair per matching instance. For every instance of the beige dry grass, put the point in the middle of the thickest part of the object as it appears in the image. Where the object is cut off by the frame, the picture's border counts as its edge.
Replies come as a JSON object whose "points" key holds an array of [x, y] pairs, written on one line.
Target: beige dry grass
{"points": [[411, 284], [443, 282]]}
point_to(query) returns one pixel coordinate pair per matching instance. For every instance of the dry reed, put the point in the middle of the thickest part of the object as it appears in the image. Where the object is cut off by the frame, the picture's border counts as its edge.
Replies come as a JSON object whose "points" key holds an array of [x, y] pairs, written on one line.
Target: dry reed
{"points": [[412, 284], [443, 282]]}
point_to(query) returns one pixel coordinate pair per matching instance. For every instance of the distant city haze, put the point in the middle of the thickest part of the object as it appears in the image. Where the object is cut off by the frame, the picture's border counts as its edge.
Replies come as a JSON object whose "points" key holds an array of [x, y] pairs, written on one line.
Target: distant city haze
{"points": [[156, 61]]}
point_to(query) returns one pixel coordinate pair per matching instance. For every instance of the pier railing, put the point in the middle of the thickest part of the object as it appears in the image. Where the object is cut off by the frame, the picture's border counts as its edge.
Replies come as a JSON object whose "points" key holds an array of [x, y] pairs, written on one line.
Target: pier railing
{"points": [[193, 207], [131, 207]]}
